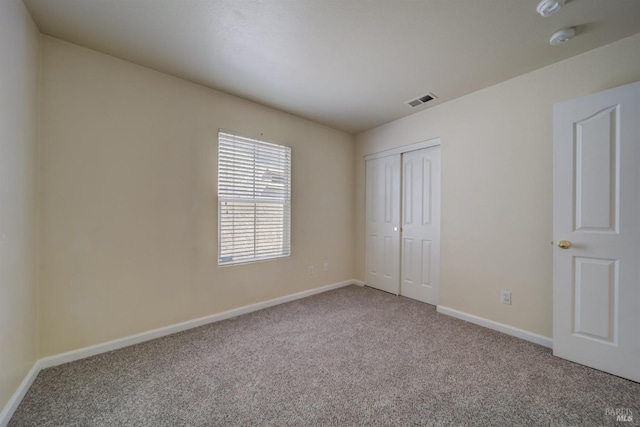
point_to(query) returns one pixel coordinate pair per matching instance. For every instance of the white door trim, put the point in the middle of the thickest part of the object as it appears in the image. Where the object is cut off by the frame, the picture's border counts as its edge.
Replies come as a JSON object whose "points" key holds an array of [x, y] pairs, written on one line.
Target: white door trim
{"points": [[404, 149]]}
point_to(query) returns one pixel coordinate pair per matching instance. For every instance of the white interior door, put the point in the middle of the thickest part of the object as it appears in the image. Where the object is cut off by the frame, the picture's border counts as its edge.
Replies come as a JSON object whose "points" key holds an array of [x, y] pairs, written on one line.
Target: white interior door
{"points": [[596, 302], [420, 232], [382, 223]]}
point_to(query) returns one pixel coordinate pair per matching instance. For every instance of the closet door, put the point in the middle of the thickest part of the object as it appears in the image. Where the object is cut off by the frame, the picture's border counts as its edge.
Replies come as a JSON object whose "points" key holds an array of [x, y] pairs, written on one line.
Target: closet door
{"points": [[420, 248], [382, 223]]}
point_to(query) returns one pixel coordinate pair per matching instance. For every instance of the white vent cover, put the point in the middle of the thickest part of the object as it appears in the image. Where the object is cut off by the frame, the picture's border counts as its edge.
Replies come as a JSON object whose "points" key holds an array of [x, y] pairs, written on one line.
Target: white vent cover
{"points": [[421, 100]]}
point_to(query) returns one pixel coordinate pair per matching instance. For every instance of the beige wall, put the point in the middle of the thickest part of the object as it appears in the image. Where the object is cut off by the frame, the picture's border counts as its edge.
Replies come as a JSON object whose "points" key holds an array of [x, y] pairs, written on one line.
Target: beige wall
{"points": [[128, 180], [497, 182], [129, 214], [18, 195]]}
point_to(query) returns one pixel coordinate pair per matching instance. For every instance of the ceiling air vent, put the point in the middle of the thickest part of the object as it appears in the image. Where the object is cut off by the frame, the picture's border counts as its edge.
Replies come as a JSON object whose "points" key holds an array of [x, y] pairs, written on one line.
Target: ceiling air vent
{"points": [[421, 100]]}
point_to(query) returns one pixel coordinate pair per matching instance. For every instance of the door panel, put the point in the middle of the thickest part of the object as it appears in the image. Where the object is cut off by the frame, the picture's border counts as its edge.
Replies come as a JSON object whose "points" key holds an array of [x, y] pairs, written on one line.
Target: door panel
{"points": [[597, 209], [596, 172], [595, 290], [421, 224], [382, 223]]}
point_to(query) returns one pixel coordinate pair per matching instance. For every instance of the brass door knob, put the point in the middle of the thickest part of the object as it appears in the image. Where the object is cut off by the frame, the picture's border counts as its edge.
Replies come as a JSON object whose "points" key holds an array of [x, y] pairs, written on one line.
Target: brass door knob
{"points": [[564, 244]]}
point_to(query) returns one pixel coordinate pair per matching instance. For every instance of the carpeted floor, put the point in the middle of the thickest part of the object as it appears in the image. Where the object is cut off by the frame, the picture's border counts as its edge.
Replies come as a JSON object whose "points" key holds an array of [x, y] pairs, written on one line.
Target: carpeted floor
{"points": [[353, 356]]}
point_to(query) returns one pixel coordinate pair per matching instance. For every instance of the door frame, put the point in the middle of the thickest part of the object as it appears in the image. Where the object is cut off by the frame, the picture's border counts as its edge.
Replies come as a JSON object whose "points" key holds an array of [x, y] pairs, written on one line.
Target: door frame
{"points": [[403, 149], [433, 142]]}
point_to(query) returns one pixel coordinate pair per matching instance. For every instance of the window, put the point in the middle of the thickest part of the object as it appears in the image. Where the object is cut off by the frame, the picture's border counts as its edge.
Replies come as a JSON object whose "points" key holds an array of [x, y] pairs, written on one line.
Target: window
{"points": [[254, 199]]}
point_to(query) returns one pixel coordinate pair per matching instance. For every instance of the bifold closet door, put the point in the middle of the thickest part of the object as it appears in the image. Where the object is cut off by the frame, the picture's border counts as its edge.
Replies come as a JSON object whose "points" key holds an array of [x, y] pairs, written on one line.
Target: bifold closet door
{"points": [[382, 223], [420, 229]]}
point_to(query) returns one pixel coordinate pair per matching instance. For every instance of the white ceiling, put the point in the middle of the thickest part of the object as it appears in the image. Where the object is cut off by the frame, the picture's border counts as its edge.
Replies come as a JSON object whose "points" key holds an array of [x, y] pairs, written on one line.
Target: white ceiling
{"points": [[349, 64]]}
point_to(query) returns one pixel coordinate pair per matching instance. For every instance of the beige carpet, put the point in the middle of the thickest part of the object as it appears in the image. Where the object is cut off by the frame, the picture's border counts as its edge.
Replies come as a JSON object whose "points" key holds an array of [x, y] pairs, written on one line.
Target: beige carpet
{"points": [[353, 356]]}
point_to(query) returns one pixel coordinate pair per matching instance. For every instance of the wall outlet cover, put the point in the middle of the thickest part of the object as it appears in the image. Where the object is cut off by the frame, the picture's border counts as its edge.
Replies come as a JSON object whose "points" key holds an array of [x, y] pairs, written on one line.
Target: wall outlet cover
{"points": [[506, 297]]}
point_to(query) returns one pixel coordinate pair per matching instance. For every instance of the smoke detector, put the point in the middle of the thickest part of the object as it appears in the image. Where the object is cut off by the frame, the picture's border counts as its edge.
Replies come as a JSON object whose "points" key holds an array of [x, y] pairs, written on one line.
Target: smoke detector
{"points": [[421, 100], [549, 7], [562, 36]]}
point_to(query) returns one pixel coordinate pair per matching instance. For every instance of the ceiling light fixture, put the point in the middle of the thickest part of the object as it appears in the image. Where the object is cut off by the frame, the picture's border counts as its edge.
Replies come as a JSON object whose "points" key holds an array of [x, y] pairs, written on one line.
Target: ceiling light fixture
{"points": [[562, 36], [549, 7]]}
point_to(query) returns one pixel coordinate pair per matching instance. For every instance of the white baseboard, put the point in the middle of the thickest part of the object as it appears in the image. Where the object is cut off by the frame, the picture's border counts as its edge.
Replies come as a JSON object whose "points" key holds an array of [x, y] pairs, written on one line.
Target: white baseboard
{"points": [[70, 356], [85, 352], [501, 327], [358, 282], [14, 401]]}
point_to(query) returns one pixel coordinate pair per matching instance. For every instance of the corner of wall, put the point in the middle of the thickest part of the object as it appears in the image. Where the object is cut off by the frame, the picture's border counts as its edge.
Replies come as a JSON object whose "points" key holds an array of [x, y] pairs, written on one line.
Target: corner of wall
{"points": [[41, 38]]}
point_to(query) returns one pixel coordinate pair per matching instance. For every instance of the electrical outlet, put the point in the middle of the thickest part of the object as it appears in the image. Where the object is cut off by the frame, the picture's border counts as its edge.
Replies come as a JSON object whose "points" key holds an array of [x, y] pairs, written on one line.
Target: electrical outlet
{"points": [[326, 266], [505, 297], [310, 270]]}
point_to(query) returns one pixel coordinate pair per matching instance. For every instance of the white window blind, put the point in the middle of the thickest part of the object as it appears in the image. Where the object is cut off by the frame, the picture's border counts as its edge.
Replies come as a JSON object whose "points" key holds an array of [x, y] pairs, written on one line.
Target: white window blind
{"points": [[254, 199]]}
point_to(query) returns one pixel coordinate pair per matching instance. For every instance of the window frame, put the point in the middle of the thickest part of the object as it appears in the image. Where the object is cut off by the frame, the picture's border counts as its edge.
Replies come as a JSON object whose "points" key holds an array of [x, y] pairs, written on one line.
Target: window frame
{"points": [[285, 202]]}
